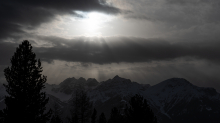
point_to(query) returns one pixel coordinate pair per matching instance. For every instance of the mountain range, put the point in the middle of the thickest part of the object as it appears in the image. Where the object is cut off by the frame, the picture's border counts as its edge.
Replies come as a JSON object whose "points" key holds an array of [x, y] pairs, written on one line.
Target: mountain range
{"points": [[175, 100]]}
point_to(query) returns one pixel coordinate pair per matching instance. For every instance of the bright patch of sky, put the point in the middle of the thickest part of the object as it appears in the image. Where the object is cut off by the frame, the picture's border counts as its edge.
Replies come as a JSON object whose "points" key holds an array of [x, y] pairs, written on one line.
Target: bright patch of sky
{"points": [[91, 24]]}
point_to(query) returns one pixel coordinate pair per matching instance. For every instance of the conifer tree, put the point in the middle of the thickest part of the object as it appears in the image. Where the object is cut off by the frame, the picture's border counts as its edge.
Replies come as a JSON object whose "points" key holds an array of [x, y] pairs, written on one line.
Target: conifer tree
{"points": [[56, 114], [1, 117], [116, 116], [139, 111], [102, 118], [93, 118], [56, 119], [25, 102], [81, 107]]}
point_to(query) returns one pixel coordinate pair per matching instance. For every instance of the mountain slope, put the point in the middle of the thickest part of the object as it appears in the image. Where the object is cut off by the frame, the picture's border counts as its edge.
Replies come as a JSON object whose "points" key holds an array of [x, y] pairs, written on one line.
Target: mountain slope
{"points": [[173, 101], [182, 102]]}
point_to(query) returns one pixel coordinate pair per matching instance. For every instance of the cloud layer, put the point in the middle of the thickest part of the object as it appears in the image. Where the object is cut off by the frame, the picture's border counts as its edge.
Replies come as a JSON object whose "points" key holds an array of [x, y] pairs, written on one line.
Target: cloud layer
{"points": [[119, 49], [18, 16], [124, 49]]}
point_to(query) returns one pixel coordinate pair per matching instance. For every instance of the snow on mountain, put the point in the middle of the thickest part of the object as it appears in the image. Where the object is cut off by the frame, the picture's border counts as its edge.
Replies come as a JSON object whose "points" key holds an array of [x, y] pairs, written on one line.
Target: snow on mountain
{"points": [[177, 95], [171, 90], [115, 87], [114, 93], [64, 90], [49, 89], [174, 90]]}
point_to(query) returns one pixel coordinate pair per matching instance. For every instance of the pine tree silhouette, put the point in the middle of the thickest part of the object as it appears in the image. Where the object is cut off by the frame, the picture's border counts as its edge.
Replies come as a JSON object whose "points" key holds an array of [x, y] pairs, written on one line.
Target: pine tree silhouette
{"points": [[81, 107], [25, 103], [102, 118], [1, 117], [139, 111], [116, 116], [56, 119], [56, 114], [93, 118]]}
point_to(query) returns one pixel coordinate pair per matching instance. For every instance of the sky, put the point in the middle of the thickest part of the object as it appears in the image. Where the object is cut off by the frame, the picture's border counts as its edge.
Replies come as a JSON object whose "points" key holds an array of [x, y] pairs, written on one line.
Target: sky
{"points": [[147, 41]]}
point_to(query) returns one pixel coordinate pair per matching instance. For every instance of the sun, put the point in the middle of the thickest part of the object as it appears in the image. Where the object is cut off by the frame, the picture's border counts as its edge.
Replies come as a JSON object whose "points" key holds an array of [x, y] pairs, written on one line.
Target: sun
{"points": [[93, 22]]}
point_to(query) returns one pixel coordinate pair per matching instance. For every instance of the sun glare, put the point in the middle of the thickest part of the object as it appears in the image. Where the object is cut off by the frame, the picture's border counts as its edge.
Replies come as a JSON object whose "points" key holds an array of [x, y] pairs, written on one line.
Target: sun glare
{"points": [[93, 22]]}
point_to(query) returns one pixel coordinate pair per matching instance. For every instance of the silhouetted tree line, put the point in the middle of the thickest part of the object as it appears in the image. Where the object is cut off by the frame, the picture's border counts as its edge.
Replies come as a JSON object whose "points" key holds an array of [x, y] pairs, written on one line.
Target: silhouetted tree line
{"points": [[26, 103], [138, 112]]}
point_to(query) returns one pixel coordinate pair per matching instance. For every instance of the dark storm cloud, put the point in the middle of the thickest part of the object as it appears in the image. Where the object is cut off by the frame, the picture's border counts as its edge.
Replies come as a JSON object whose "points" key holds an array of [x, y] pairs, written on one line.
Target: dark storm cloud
{"points": [[120, 49], [15, 16], [69, 5]]}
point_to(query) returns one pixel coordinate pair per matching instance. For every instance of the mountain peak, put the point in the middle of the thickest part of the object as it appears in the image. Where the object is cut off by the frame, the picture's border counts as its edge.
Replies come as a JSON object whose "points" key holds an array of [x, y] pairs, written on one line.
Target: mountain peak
{"points": [[67, 81], [120, 79], [82, 79], [116, 77], [173, 82], [92, 82], [177, 79], [172, 86]]}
